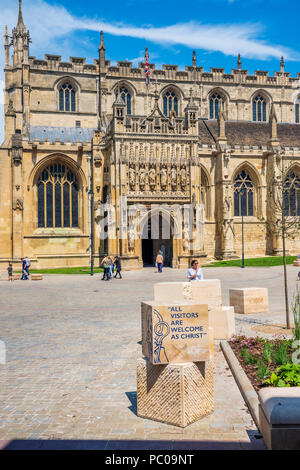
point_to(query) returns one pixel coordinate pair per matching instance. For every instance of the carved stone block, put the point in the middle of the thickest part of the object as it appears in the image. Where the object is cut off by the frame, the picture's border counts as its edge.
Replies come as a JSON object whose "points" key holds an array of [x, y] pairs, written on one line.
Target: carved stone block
{"points": [[177, 394], [175, 332]]}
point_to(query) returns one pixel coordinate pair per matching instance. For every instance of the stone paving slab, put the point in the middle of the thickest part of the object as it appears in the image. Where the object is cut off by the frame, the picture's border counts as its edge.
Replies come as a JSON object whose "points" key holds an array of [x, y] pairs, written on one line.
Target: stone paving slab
{"points": [[70, 377]]}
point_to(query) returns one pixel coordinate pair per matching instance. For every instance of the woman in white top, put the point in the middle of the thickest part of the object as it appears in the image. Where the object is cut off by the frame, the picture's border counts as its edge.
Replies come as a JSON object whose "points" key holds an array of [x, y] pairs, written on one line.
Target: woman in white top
{"points": [[195, 273]]}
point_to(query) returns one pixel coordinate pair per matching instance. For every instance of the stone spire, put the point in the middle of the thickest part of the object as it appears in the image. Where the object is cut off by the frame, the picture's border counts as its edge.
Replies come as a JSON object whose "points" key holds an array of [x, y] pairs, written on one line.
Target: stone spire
{"points": [[282, 65], [194, 59], [6, 46], [273, 122], [221, 122], [239, 62], [101, 50], [101, 45], [20, 24], [20, 40]]}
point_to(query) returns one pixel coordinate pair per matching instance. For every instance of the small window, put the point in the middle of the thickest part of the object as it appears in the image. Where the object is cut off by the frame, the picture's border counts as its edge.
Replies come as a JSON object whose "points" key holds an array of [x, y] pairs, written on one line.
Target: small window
{"points": [[170, 102], [297, 115], [243, 195], [215, 103], [78, 123], [126, 97], [67, 101], [292, 195], [259, 108]]}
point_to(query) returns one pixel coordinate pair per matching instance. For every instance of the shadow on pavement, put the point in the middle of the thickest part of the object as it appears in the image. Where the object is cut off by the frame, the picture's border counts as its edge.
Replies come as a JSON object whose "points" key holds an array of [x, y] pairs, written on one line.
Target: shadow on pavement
{"points": [[129, 445]]}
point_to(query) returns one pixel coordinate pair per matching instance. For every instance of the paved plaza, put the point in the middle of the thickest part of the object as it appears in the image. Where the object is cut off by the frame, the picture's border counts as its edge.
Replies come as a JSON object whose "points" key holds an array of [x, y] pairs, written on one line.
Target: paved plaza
{"points": [[70, 376]]}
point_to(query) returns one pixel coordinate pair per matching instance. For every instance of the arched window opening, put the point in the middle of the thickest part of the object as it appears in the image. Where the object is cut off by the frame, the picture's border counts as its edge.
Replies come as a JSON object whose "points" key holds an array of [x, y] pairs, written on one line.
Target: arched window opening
{"points": [[297, 111], [215, 102], [170, 103], [259, 108], [57, 191], [292, 195], [67, 101], [243, 195], [126, 97], [204, 192]]}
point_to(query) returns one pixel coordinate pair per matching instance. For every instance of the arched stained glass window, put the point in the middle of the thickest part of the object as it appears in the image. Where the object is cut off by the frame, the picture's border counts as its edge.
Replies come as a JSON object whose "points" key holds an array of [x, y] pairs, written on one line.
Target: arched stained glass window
{"points": [[292, 195], [243, 195], [297, 111], [215, 103], [204, 192], [57, 191], [126, 97], [259, 109], [67, 98], [170, 103]]}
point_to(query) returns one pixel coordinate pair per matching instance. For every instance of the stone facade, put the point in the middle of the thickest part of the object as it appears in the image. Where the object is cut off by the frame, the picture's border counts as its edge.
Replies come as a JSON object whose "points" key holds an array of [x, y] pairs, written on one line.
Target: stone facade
{"points": [[183, 139]]}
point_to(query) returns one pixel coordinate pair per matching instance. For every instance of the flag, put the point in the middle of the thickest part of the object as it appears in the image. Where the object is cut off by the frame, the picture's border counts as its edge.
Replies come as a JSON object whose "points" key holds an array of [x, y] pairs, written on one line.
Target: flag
{"points": [[147, 71]]}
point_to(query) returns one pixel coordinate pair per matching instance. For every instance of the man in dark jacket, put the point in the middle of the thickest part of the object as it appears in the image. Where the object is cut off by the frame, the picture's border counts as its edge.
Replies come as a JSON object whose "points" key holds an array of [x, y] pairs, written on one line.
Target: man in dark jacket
{"points": [[117, 263]]}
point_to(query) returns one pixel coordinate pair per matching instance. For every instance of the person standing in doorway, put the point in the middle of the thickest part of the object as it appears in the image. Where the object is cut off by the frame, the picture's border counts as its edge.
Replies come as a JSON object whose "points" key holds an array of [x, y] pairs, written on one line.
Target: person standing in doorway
{"points": [[195, 273], [159, 261]]}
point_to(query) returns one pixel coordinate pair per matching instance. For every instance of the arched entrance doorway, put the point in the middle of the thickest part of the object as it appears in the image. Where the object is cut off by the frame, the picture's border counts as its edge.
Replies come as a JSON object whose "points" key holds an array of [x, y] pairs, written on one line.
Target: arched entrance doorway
{"points": [[157, 230]]}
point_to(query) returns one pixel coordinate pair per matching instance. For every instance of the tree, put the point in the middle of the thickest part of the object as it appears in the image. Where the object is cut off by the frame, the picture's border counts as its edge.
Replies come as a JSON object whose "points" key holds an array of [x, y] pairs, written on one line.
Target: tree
{"points": [[284, 213]]}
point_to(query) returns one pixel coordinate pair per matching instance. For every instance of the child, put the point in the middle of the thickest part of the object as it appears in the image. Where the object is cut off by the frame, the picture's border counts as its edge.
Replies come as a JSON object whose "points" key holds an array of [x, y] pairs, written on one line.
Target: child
{"points": [[10, 272]]}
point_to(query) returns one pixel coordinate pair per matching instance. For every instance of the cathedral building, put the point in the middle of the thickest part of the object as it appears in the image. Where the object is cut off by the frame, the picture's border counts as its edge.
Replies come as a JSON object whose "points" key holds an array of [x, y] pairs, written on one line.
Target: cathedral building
{"points": [[82, 136]]}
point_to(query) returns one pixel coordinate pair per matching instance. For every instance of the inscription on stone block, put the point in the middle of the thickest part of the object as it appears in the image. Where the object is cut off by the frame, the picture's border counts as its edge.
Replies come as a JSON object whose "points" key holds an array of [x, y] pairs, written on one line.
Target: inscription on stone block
{"points": [[175, 332]]}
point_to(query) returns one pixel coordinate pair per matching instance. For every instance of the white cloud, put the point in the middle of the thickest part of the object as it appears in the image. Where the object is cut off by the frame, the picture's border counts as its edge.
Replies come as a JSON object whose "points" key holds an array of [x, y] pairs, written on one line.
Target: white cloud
{"points": [[52, 25], [49, 22]]}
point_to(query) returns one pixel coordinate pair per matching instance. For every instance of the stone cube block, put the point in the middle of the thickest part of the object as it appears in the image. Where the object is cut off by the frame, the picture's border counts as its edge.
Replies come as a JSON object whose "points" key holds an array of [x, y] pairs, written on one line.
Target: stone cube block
{"points": [[279, 417], [207, 292], [249, 299], [222, 322], [36, 277], [176, 394], [175, 332]]}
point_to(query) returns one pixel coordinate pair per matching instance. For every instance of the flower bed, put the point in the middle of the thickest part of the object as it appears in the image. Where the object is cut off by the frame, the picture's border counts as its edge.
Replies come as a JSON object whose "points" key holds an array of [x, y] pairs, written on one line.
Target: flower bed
{"points": [[261, 358]]}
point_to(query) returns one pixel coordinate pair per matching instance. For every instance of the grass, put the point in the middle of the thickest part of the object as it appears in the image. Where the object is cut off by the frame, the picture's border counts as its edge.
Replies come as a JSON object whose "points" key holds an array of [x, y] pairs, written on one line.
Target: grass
{"points": [[255, 262], [71, 270]]}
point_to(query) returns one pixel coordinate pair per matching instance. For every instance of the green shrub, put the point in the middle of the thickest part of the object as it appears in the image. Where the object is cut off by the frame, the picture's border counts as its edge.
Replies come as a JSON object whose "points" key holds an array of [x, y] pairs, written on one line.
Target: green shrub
{"points": [[280, 354], [267, 352], [248, 358], [287, 375], [262, 369]]}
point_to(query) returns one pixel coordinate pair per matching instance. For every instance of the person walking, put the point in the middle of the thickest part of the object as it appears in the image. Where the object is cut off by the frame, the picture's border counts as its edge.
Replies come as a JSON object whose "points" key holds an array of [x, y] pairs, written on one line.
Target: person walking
{"points": [[28, 263], [110, 267], [10, 272], [105, 265], [159, 261], [24, 270], [117, 263], [195, 273]]}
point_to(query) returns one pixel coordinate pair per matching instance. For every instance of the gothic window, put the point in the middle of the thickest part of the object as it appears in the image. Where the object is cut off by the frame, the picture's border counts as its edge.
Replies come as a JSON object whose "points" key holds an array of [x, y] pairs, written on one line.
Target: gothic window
{"points": [[243, 195], [215, 103], [67, 101], [205, 192], [57, 190], [297, 111], [259, 109], [292, 195], [126, 97], [170, 103]]}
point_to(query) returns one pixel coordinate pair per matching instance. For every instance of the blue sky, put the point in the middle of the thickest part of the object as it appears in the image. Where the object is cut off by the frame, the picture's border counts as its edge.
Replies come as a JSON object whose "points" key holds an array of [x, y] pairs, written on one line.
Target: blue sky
{"points": [[261, 30]]}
